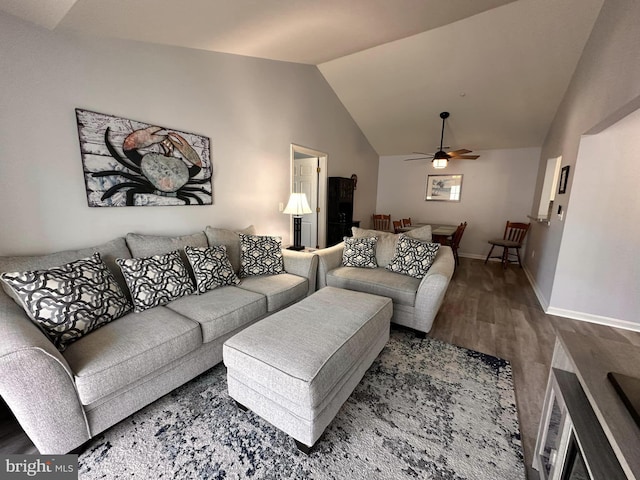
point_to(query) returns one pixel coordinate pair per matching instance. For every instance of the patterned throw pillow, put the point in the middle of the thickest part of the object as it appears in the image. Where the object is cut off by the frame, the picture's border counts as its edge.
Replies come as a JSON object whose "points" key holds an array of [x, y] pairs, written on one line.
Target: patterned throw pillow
{"points": [[231, 240], [359, 252], [211, 267], [260, 255], [69, 301], [413, 257], [155, 280], [385, 245]]}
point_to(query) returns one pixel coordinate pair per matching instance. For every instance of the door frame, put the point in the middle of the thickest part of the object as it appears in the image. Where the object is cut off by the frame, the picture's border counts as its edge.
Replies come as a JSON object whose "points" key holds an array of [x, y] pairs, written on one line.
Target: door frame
{"points": [[322, 189]]}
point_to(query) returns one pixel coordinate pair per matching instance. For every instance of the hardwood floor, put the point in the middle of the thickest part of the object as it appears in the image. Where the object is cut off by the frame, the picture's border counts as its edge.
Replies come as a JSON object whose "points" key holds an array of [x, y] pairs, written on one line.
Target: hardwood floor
{"points": [[495, 311], [487, 309]]}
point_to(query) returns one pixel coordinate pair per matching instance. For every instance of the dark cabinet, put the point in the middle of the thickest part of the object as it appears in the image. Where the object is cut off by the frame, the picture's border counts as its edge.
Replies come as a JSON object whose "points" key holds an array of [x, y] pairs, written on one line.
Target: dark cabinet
{"points": [[339, 209]]}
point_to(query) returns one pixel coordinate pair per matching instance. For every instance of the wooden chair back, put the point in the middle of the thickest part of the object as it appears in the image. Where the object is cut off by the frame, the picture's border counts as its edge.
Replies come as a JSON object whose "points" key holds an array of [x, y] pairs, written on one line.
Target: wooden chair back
{"points": [[457, 236], [455, 241], [515, 232], [397, 225], [406, 222], [381, 222]]}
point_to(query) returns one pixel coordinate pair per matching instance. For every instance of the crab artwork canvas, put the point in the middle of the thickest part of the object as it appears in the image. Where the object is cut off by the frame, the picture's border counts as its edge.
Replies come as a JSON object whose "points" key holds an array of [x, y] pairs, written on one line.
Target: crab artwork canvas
{"points": [[132, 163]]}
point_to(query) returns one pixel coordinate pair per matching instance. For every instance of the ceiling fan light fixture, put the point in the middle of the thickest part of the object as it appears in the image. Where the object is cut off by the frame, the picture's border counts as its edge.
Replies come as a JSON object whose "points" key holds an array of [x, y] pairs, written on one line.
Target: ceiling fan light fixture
{"points": [[440, 159], [440, 163]]}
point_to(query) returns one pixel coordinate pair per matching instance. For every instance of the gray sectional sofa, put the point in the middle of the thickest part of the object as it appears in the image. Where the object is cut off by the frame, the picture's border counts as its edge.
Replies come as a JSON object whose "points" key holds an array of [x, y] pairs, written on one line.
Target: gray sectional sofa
{"points": [[415, 301], [63, 399]]}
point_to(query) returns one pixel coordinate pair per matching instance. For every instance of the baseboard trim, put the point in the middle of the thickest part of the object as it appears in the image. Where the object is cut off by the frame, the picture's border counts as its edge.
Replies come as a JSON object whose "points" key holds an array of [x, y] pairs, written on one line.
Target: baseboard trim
{"points": [[561, 312], [541, 300], [472, 255], [588, 317], [479, 257], [584, 317], [532, 281]]}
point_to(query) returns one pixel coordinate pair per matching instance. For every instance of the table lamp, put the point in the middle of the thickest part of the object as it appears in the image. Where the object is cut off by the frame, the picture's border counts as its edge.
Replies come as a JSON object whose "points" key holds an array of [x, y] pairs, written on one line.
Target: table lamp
{"points": [[297, 206]]}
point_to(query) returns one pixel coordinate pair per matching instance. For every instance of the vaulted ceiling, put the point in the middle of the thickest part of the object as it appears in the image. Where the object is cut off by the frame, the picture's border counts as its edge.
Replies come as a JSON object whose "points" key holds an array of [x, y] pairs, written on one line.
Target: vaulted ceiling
{"points": [[501, 67]]}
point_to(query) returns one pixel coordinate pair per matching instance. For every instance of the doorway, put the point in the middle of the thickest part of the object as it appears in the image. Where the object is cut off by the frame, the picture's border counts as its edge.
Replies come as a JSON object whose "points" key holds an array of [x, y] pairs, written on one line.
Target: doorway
{"points": [[309, 176]]}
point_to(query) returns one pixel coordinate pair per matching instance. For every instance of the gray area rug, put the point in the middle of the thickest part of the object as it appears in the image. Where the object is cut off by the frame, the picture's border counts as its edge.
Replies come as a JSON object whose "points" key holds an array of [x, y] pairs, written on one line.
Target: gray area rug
{"points": [[425, 409]]}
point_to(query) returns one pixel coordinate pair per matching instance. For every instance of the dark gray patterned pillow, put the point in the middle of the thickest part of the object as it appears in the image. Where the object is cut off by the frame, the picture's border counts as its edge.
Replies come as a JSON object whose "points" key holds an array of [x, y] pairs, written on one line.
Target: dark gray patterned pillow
{"points": [[413, 257], [69, 301], [360, 252], [260, 255], [211, 267], [155, 280]]}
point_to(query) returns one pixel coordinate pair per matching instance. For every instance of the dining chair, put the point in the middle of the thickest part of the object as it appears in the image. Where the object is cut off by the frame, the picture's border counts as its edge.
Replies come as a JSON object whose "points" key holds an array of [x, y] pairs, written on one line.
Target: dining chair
{"points": [[406, 222], [455, 241], [397, 225], [513, 237], [381, 222]]}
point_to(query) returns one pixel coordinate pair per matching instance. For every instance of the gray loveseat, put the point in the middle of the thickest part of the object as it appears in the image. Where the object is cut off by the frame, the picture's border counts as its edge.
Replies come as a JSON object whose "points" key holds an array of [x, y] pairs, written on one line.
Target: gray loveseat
{"points": [[63, 399], [415, 301]]}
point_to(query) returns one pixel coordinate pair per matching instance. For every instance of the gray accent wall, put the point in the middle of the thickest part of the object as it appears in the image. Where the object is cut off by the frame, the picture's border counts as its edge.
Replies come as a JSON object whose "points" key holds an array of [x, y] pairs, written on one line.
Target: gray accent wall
{"points": [[598, 269], [251, 109], [605, 87]]}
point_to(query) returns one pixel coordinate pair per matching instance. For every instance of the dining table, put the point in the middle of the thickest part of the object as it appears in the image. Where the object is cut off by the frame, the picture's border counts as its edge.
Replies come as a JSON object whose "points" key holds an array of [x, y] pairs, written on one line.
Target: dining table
{"points": [[441, 233]]}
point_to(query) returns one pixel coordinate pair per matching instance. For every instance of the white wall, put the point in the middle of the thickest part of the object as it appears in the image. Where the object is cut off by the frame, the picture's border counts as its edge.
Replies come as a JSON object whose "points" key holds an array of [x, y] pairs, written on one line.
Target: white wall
{"points": [[495, 188], [599, 268], [251, 109], [604, 87]]}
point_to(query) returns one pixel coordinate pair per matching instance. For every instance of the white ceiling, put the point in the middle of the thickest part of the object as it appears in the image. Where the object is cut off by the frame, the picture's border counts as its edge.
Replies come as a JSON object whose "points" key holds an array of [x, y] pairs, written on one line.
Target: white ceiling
{"points": [[500, 67]]}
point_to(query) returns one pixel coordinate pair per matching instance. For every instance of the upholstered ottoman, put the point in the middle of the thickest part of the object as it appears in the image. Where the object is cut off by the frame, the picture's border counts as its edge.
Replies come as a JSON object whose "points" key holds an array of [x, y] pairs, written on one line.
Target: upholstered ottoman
{"points": [[297, 367]]}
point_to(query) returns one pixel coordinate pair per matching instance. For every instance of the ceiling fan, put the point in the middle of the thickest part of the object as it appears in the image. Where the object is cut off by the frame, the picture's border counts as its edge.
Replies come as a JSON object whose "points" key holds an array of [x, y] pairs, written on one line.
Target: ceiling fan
{"points": [[441, 158]]}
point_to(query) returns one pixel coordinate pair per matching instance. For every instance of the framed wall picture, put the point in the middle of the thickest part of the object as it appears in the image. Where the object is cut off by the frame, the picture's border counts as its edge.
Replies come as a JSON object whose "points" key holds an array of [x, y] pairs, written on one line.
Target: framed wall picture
{"points": [[444, 188], [131, 163], [564, 176]]}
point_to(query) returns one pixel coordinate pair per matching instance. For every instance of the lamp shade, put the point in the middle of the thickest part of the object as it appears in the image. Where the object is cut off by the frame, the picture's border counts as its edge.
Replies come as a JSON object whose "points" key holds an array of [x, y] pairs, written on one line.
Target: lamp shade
{"points": [[297, 205]]}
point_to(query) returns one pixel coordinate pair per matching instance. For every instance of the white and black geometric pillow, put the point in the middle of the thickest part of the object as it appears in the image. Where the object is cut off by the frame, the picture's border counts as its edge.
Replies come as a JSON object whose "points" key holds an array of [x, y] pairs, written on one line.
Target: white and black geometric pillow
{"points": [[260, 255], [211, 267], [413, 257], [360, 252], [69, 301], [155, 280]]}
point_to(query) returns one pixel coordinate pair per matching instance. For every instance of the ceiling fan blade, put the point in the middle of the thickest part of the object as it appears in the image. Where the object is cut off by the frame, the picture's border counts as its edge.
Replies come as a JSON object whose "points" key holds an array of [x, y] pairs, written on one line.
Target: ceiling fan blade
{"points": [[462, 151], [466, 157], [419, 158]]}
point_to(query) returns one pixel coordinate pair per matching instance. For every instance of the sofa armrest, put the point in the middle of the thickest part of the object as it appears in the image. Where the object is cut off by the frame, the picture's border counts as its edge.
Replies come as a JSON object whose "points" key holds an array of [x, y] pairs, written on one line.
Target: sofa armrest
{"points": [[303, 264], [328, 259], [37, 384], [433, 287]]}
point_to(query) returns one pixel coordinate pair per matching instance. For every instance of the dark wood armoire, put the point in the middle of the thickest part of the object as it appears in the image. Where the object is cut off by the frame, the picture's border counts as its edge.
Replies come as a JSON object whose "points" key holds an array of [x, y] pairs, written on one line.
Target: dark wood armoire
{"points": [[340, 193]]}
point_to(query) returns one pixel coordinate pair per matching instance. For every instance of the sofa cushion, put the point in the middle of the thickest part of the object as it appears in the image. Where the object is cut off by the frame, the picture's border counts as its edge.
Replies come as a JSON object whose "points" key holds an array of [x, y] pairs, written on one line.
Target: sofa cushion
{"points": [[231, 240], [71, 300], [378, 281], [260, 255], [211, 267], [155, 280], [221, 310], [108, 252], [385, 247], [359, 252], [150, 245], [124, 351], [280, 290], [413, 257], [421, 233]]}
